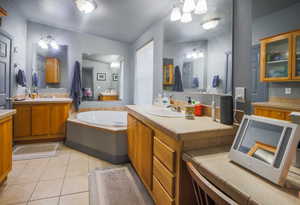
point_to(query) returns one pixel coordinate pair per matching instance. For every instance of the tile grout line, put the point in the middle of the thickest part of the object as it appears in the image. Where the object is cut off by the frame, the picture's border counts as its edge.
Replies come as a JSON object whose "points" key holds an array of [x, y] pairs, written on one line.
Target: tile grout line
{"points": [[68, 163]]}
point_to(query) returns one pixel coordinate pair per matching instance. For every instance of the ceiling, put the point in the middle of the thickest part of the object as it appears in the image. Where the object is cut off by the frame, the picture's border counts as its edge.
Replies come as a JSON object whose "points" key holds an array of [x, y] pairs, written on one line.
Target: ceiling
{"points": [[122, 20], [264, 7], [180, 32]]}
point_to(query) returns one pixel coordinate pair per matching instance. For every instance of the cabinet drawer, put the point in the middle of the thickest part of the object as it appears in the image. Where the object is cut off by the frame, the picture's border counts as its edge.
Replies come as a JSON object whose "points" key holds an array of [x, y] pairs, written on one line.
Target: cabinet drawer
{"points": [[161, 197], [164, 176], [165, 154], [277, 115]]}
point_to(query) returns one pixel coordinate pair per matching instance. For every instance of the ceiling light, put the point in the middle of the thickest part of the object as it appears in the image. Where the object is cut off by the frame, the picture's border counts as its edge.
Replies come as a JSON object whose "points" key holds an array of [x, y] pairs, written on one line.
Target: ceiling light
{"points": [[86, 6], [186, 18], [42, 43], [201, 7], [115, 65], [54, 44], [176, 14], [48, 41], [189, 6], [211, 24]]}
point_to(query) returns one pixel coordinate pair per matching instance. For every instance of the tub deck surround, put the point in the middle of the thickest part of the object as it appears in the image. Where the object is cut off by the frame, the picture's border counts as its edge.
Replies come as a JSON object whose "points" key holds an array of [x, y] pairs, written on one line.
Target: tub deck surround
{"points": [[6, 113], [240, 184], [155, 147]]}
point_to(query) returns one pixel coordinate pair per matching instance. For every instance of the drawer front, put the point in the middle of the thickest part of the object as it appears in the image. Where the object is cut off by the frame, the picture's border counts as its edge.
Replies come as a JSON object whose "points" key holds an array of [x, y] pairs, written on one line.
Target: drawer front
{"points": [[165, 154], [277, 115], [164, 176], [161, 197]]}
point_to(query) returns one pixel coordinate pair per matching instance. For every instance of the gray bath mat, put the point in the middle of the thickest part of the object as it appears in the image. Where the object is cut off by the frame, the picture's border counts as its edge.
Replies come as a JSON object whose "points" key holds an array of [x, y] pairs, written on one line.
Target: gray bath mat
{"points": [[35, 151], [117, 186]]}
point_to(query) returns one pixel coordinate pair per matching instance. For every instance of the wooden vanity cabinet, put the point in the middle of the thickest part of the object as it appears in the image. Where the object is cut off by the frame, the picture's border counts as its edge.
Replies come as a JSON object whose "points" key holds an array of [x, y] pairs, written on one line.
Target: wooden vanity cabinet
{"points": [[52, 70], [36, 122], [5, 147]]}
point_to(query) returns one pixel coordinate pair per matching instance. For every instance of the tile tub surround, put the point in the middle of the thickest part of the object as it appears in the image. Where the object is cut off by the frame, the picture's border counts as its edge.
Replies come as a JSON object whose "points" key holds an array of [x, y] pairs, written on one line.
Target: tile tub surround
{"points": [[240, 184], [6, 113], [59, 180]]}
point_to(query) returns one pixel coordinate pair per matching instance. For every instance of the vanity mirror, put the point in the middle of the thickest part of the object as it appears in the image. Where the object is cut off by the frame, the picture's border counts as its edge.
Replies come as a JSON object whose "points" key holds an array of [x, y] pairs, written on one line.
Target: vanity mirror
{"points": [[50, 67], [102, 77], [197, 55]]}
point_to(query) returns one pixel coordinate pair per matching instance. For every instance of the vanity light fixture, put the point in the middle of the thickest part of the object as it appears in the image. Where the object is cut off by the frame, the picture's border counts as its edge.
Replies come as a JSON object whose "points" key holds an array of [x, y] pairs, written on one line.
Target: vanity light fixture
{"points": [[186, 18], [115, 65], [188, 6], [47, 42], [176, 14], [211, 24], [195, 54], [201, 7], [86, 6]]}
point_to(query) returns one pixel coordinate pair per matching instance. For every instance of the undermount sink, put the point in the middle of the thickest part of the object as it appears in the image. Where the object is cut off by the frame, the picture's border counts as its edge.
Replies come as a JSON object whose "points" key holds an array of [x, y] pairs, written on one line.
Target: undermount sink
{"points": [[163, 112]]}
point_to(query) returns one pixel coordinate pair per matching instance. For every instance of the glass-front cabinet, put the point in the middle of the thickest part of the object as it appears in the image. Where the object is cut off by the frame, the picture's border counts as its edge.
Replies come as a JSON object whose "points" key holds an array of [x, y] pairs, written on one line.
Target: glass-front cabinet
{"points": [[280, 58]]}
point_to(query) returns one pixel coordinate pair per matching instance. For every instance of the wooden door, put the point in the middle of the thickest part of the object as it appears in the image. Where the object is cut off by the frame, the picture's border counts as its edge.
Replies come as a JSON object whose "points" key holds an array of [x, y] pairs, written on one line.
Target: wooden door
{"points": [[52, 70], [145, 153], [5, 65], [276, 58], [5, 147], [296, 56], [58, 117], [22, 121], [40, 120]]}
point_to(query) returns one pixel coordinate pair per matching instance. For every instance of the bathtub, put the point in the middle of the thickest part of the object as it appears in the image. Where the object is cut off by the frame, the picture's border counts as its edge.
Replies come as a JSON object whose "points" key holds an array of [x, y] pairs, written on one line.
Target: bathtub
{"points": [[102, 134]]}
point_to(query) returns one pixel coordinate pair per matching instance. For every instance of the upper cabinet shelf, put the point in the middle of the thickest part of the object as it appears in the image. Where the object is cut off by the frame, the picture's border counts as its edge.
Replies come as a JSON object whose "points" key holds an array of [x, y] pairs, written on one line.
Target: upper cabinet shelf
{"points": [[280, 58]]}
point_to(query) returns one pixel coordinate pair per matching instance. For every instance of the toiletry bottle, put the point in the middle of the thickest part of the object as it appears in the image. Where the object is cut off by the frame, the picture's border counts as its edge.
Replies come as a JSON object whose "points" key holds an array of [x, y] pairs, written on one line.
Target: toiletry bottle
{"points": [[165, 100], [213, 108], [189, 110]]}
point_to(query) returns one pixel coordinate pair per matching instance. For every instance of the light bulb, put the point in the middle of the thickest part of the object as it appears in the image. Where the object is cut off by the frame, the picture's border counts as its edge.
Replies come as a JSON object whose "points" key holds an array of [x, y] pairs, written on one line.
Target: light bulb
{"points": [[54, 45], [189, 6], [86, 6], [43, 44], [211, 24], [115, 65], [186, 18], [176, 14], [201, 7]]}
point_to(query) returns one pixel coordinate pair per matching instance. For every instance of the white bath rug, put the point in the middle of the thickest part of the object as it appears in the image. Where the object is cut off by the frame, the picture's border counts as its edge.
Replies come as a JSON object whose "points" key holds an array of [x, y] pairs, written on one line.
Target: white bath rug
{"points": [[35, 151], [117, 186]]}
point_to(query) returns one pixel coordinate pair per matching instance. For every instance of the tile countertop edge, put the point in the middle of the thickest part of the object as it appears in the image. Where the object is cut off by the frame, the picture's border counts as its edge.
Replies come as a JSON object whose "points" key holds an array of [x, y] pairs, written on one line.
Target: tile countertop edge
{"points": [[279, 105], [6, 113], [173, 133], [50, 101]]}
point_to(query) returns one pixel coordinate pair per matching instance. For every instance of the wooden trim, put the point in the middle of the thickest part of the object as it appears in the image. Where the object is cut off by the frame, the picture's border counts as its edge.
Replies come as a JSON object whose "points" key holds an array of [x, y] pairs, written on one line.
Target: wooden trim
{"points": [[3, 12], [260, 145], [274, 36]]}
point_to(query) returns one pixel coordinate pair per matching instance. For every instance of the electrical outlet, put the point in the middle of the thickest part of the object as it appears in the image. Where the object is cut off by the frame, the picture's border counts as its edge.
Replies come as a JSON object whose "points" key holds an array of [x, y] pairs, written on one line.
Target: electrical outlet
{"points": [[240, 94], [288, 91]]}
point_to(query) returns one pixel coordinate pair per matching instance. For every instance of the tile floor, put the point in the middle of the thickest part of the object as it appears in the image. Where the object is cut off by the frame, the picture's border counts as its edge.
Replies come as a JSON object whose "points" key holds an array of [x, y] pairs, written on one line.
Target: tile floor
{"points": [[59, 180]]}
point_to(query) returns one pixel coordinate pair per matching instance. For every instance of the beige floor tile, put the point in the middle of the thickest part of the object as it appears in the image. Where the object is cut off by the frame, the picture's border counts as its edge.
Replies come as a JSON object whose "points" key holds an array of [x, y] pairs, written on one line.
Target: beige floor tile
{"points": [[75, 185], [59, 161], [37, 162], [52, 173], [97, 163], [28, 175], [14, 194], [75, 199], [20, 162], [50, 201], [77, 171], [47, 189]]}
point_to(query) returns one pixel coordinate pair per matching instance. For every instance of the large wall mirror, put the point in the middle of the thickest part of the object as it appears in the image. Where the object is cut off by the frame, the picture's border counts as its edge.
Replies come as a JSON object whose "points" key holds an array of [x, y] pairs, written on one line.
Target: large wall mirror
{"points": [[197, 55], [50, 67], [102, 77]]}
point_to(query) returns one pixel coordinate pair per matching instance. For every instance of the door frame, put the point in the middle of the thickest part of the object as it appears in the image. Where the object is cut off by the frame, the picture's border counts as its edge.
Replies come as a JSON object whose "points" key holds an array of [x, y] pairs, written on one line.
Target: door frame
{"points": [[6, 34]]}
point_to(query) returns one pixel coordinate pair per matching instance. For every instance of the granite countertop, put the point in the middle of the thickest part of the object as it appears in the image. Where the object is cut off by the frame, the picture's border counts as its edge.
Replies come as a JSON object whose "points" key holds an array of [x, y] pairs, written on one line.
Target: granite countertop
{"points": [[240, 184], [181, 127], [6, 113], [43, 100], [280, 105]]}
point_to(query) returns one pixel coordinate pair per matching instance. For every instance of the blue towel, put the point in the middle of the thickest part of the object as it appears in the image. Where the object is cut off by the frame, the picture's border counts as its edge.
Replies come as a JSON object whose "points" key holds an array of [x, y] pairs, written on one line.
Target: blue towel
{"points": [[35, 79], [195, 82], [76, 86], [21, 78], [178, 82], [216, 81]]}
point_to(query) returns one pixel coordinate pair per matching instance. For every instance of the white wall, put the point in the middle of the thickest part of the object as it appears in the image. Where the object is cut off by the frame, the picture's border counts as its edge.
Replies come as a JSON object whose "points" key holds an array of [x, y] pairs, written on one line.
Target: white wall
{"points": [[16, 26]]}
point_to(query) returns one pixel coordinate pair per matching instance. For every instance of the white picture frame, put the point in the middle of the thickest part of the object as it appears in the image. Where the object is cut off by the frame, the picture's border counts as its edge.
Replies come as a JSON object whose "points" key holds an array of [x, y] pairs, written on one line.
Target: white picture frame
{"points": [[277, 171]]}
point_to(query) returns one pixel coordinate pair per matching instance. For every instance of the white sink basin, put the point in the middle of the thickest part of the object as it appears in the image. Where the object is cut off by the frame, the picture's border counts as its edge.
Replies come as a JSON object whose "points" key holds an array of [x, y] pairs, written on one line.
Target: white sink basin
{"points": [[163, 112]]}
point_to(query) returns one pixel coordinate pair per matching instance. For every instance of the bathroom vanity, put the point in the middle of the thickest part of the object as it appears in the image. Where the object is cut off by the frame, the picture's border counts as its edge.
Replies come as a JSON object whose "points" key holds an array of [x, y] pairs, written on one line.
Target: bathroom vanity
{"points": [[155, 147], [6, 130], [41, 119]]}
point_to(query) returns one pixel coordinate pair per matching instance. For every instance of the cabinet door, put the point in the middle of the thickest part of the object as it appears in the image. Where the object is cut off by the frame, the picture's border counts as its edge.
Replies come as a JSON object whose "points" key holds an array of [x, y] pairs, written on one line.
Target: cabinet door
{"points": [[5, 147], [276, 58], [296, 56], [22, 121], [131, 133], [52, 70], [145, 153], [58, 117], [40, 119]]}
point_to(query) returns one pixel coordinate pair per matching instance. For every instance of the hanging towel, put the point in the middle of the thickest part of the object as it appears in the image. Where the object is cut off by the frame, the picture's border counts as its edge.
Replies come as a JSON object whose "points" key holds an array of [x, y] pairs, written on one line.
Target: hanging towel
{"points": [[76, 86], [178, 82], [216, 81], [35, 79], [21, 78], [195, 82]]}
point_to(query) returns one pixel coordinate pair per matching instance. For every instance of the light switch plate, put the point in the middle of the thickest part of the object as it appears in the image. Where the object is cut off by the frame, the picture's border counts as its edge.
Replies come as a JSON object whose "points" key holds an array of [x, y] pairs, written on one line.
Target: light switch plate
{"points": [[240, 94], [288, 91]]}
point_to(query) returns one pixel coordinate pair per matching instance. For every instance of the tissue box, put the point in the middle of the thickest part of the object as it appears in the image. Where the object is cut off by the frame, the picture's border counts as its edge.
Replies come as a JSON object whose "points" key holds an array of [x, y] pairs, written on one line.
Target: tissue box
{"points": [[295, 117]]}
